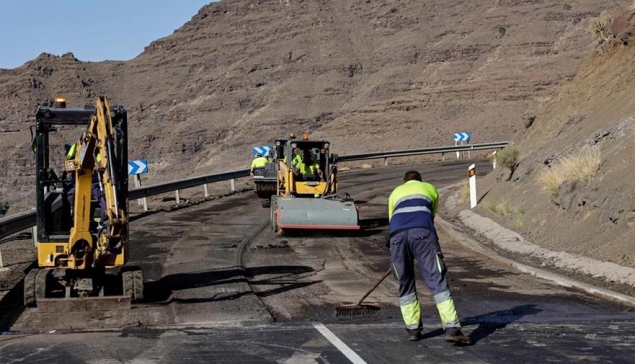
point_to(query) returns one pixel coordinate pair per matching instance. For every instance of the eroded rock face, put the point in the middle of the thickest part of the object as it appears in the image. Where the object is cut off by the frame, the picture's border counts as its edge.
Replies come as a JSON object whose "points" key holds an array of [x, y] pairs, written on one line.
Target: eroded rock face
{"points": [[367, 75], [623, 26]]}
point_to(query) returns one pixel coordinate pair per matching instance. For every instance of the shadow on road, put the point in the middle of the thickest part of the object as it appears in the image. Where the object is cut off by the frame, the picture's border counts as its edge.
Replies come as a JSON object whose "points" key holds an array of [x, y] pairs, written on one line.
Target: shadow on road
{"points": [[285, 278], [12, 304], [490, 322]]}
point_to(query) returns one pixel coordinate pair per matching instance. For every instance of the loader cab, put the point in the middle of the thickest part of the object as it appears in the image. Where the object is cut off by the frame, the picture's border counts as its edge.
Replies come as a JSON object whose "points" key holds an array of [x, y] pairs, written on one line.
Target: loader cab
{"points": [[309, 152], [56, 129]]}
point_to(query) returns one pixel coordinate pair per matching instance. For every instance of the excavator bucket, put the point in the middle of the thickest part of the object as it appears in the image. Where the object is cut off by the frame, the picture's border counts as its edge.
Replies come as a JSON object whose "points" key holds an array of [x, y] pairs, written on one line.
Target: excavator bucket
{"points": [[315, 214]]}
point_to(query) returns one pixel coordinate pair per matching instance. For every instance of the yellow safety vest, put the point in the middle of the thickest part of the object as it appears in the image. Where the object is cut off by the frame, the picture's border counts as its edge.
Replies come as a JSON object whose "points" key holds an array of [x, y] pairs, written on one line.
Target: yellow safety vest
{"points": [[308, 168], [71, 153], [259, 162]]}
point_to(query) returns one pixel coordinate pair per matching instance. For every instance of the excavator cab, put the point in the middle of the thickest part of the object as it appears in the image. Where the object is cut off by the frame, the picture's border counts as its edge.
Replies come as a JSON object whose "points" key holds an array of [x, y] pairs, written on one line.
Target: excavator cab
{"points": [[307, 185], [81, 256]]}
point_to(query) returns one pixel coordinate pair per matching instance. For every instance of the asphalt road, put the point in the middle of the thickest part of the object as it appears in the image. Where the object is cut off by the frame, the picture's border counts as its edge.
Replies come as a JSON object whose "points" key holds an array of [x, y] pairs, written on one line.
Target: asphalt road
{"points": [[222, 287]]}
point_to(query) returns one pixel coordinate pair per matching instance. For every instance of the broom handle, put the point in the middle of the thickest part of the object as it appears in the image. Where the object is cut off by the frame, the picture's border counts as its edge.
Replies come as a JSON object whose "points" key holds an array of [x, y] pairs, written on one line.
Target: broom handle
{"points": [[376, 285]]}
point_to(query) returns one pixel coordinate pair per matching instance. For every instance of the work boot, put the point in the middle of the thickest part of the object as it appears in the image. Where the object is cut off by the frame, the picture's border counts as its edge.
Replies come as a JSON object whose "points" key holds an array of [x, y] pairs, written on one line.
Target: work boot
{"points": [[414, 335], [454, 335]]}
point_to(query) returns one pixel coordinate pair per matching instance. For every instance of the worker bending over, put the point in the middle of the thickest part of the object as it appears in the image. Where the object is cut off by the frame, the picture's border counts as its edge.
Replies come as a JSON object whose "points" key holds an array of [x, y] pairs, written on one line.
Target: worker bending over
{"points": [[412, 207]]}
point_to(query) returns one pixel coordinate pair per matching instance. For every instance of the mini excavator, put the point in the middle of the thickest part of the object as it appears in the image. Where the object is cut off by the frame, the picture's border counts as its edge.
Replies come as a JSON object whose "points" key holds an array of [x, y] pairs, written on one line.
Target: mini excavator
{"points": [[82, 256], [309, 201]]}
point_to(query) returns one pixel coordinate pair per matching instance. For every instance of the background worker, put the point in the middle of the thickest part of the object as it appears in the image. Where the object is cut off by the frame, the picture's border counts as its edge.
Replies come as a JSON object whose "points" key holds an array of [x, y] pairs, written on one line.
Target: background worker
{"points": [[308, 166], [258, 164], [412, 207], [294, 161], [96, 193]]}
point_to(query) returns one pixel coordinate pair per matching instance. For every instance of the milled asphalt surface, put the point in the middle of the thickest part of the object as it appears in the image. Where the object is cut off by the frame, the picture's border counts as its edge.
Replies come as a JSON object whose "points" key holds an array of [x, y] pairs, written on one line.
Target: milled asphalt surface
{"points": [[203, 307]]}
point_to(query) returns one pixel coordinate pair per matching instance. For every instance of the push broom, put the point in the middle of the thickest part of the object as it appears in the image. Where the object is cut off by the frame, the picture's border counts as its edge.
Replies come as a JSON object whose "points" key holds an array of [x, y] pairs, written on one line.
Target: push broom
{"points": [[358, 309]]}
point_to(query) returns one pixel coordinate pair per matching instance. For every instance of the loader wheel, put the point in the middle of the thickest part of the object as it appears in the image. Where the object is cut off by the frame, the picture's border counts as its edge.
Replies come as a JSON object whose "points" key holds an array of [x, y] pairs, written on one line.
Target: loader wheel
{"points": [[133, 284]]}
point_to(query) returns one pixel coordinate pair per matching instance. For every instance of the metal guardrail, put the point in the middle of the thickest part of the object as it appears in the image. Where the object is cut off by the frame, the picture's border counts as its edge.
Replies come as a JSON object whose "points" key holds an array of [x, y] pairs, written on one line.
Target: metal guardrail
{"points": [[431, 150], [157, 189], [16, 223], [24, 220]]}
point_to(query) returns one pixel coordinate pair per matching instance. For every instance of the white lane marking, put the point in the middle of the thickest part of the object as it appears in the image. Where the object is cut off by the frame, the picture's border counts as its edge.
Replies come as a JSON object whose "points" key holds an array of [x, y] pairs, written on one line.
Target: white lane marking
{"points": [[339, 344]]}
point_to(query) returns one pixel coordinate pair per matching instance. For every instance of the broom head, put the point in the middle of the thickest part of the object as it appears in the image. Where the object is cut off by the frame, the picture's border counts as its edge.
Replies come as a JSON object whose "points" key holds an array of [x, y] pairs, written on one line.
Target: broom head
{"points": [[357, 310]]}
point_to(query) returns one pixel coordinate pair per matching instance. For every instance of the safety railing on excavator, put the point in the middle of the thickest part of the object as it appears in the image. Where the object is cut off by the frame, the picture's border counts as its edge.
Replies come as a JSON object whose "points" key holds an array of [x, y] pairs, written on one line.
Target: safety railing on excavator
{"points": [[18, 222]]}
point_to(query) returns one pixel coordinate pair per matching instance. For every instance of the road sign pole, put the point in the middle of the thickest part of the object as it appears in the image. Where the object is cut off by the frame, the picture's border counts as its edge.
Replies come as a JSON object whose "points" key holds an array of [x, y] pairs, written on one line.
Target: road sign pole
{"points": [[472, 174]]}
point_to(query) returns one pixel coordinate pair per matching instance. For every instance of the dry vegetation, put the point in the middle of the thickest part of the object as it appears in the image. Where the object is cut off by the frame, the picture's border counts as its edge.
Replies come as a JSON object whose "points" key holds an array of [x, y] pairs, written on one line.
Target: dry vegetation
{"points": [[600, 26], [464, 193], [581, 166], [504, 207]]}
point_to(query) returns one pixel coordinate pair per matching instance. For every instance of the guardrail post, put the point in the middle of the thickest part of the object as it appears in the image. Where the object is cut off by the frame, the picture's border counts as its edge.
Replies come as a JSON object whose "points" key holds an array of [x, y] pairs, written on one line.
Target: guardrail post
{"points": [[206, 191], [34, 235], [233, 185], [141, 201], [178, 200]]}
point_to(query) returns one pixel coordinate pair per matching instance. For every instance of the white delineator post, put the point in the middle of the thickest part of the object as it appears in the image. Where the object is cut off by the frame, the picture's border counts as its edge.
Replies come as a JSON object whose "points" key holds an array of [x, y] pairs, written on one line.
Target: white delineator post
{"points": [[472, 173], [494, 160], [142, 201]]}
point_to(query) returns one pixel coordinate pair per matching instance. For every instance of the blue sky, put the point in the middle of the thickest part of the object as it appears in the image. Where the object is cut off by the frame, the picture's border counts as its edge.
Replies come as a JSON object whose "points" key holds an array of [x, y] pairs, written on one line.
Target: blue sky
{"points": [[93, 30]]}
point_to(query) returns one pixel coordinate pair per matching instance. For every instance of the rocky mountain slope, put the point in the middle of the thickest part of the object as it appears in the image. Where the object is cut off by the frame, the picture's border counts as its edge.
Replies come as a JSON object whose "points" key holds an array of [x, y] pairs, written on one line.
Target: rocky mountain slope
{"points": [[368, 75], [573, 187]]}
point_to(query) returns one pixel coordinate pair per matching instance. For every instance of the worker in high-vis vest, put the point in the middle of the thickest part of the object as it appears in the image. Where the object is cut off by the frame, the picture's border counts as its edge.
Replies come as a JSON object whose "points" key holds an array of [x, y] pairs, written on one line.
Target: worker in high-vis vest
{"points": [[412, 207], [258, 163], [96, 193]]}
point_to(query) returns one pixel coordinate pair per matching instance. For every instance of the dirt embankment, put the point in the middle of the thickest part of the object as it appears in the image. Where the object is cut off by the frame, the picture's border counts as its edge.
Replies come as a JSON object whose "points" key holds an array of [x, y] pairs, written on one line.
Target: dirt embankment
{"points": [[572, 190]]}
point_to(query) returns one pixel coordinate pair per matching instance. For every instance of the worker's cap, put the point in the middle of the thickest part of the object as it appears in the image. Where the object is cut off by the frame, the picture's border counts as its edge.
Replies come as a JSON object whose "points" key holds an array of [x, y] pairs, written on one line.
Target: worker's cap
{"points": [[258, 154]]}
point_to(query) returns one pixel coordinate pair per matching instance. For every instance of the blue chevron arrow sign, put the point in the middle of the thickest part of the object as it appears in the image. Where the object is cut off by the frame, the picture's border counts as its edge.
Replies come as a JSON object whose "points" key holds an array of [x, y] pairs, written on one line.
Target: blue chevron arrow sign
{"points": [[462, 137], [137, 167], [263, 150]]}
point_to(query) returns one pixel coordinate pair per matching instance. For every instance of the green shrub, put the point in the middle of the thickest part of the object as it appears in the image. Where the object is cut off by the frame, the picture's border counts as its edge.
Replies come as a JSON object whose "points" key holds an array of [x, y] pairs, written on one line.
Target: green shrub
{"points": [[508, 158], [4, 207]]}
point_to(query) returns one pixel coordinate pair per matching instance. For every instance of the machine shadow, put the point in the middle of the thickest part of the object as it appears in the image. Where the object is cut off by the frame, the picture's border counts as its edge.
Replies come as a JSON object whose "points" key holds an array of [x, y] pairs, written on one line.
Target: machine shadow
{"points": [[490, 322], [12, 306], [285, 277]]}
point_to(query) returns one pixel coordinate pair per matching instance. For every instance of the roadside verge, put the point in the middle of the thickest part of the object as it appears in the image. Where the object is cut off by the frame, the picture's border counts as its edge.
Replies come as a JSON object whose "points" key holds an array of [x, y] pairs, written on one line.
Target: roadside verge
{"points": [[514, 245]]}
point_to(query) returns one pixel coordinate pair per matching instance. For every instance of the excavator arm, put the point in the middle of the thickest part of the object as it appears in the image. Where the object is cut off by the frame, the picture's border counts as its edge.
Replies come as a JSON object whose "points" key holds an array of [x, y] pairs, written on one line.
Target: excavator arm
{"points": [[95, 157]]}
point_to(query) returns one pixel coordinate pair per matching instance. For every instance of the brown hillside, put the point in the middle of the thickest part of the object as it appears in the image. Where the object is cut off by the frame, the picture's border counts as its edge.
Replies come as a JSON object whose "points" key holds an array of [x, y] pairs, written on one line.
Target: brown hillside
{"points": [[368, 75], [593, 217]]}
